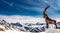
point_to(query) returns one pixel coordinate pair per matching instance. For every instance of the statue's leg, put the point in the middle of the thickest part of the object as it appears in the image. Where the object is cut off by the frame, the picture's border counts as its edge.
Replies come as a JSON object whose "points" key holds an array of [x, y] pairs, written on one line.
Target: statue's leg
{"points": [[56, 25], [46, 25]]}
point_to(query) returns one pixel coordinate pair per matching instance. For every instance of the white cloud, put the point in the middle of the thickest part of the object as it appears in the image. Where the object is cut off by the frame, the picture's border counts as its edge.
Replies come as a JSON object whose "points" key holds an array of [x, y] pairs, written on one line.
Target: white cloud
{"points": [[21, 19], [10, 4], [24, 19], [52, 4]]}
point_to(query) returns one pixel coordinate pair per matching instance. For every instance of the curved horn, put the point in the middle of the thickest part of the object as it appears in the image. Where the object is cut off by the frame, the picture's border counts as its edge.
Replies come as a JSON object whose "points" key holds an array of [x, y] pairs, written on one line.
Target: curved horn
{"points": [[44, 12], [47, 7]]}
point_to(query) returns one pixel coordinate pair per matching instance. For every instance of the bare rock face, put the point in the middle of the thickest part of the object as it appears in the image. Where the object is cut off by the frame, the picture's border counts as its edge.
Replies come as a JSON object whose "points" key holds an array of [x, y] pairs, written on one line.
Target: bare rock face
{"points": [[1, 29]]}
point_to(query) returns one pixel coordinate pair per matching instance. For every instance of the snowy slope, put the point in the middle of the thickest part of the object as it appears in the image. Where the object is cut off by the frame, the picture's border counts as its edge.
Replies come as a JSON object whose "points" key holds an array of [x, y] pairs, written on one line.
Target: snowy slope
{"points": [[17, 27]]}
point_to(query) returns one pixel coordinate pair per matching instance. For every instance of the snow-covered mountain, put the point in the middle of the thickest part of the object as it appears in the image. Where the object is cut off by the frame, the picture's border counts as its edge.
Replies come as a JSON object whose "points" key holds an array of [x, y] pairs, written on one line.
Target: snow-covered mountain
{"points": [[20, 27], [25, 27]]}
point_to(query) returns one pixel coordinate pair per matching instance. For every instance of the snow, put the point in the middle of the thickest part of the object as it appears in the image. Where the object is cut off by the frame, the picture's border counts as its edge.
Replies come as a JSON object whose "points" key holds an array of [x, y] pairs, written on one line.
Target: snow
{"points": [[52, 26], [52, 30], [22, 19], [15, 31], [10, 31]]}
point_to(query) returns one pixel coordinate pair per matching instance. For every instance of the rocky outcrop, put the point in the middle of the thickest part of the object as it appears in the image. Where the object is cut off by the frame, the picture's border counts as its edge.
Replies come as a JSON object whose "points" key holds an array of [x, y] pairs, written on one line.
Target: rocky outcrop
{"points": [[1, 29]]}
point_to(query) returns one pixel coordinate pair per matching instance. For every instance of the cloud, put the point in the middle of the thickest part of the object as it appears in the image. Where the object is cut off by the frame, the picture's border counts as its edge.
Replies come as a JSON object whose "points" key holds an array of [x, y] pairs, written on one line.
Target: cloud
{"points": [[35, 6], [58, 3], [22, 19], [29, 2], [52, 3], [10, 4]]}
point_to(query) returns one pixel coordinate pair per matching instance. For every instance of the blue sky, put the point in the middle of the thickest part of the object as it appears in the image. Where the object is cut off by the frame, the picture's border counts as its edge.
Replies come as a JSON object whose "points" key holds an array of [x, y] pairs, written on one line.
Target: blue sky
{"points": [[29, 7]]}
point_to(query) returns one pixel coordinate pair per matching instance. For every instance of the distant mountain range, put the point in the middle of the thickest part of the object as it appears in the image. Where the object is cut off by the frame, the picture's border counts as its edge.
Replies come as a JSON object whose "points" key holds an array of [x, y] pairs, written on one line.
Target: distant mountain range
{"points": [[16, 24], [30, 27], [38, 23], [58, 23]]}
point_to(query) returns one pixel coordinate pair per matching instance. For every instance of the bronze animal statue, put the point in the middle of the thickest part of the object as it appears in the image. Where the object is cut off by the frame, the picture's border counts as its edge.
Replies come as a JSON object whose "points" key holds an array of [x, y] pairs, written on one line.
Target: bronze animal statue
{"points": [[47, 19]]}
